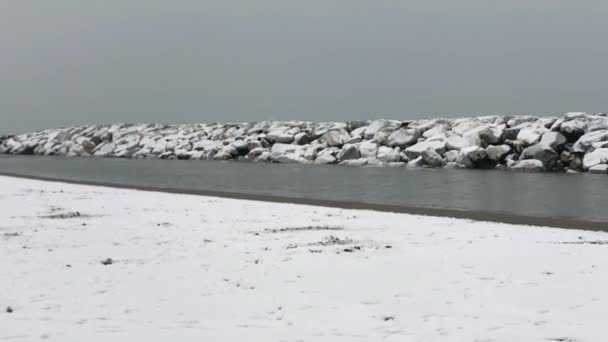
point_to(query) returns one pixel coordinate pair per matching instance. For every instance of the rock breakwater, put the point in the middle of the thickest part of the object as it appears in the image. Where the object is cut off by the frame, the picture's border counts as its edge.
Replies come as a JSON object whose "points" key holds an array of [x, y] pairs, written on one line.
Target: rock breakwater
{"points": [[574, 142]]}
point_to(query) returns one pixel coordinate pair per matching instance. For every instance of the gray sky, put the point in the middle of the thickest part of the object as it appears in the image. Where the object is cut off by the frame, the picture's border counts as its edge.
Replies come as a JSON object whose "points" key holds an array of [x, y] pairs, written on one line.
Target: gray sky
{"points": [[65, 62]]}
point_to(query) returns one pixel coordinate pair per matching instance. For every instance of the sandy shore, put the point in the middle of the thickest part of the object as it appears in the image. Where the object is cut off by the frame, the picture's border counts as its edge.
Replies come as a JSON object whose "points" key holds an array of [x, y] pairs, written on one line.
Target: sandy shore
{"points": [[189, 268]]}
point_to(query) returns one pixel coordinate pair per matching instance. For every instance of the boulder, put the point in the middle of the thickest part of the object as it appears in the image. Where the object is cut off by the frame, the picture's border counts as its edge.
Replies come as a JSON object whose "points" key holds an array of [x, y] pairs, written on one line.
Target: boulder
{"points": [[456, 142], [348, 152], [326, 156], [88, 147], [241, 146], [105, 149], [599, 156], [336, 137], [281, 135], [597, 124], [403, 137], [585, 143], [418, 161], [438, 129], [541, 152], [451, 156], [383, 134], [226, 153], [355, 162], [574, 128], [416, 150], [256, 152], [285, 153], [491, 134], [599, 168], [301, 138], [555, 140], [387, 154], [497, 152], [530, 135], [462, 126], [374, 127], [528, 165], [253, 144], [431, 157], [368, 149]]}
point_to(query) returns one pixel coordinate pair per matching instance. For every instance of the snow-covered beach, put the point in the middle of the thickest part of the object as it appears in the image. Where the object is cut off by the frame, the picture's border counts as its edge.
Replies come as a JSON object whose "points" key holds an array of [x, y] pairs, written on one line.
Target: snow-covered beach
{"points": [[91, 263]]}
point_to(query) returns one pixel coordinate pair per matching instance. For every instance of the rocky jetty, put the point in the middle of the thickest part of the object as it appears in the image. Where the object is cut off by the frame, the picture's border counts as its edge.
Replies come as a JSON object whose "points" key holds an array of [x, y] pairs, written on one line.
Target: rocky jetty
{"points": [[575, 142]]}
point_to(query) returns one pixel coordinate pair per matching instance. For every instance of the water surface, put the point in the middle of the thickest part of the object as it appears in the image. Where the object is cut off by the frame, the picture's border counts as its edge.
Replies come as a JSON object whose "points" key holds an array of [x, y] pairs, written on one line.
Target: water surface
{"points": [[551, 195]]}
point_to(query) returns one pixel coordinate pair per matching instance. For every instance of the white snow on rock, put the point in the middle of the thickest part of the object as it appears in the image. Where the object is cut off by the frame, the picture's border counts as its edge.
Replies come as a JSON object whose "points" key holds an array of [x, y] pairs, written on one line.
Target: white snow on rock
{"points": [[599, 156], [387, 154], [574, 134], [528, 165], [414, 151]]}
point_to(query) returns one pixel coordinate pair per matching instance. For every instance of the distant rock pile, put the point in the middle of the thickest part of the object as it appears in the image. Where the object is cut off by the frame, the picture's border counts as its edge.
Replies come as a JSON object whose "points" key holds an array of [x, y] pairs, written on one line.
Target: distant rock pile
{"points": [[574, 142]]}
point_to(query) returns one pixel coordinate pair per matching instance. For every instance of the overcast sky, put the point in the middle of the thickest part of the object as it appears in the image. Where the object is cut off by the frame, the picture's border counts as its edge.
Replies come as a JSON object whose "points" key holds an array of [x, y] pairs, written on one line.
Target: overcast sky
{"points": [[65, 62]]}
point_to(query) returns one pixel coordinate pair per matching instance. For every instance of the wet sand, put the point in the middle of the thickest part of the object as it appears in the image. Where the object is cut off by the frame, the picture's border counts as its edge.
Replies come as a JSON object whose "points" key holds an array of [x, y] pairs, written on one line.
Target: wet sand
{"points": [[490, 216]]}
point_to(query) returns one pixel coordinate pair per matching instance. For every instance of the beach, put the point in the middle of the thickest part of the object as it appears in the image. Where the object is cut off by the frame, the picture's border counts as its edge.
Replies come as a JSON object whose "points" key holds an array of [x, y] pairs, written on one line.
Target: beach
{"points": [[81, 262]]}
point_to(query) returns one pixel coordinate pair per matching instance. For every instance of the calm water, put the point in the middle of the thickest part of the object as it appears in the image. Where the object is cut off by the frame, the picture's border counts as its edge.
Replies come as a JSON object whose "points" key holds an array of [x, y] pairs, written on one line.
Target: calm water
{"points": [[581, 196]]}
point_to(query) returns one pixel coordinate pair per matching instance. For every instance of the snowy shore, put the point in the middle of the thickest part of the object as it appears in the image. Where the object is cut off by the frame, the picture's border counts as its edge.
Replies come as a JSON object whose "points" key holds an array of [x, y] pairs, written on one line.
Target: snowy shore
{"points": [[91, 263], [574, 142]]}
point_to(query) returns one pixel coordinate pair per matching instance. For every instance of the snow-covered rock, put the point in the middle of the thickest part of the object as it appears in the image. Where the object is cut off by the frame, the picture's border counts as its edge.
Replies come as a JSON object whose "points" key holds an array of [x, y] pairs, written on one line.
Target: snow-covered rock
{"points": [[348, 152], [599, 168], [403, 137], [497, 152], [387, 154], [431, 157], [541, 152], [416, 150], [368, 149], [560, 143], [599, 156], [528, 165], [554, 140]]}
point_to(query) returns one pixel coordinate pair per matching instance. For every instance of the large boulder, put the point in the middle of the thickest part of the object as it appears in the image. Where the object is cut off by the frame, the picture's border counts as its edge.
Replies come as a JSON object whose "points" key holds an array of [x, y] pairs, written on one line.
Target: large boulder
{"points": [[348, 152], [439, 129], [431, 157], [105, 149], [574, 128], [541, 152], [457, 142], [374, 127], [326, 156], [368, 149], [403, 137], [585, 143], [599, 156], [416, 150], [555, 140], [387, 154], [226, 153], [491, 135], [355, 162], [498, 152], [528, 165], [383, 134], [599, 168], [88, 147], [530, 135], [285, 153], [337, 137], [256, 152], [281, 135], [301, 138]]}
